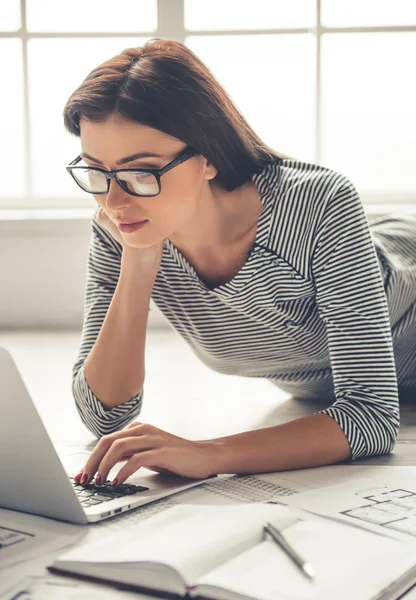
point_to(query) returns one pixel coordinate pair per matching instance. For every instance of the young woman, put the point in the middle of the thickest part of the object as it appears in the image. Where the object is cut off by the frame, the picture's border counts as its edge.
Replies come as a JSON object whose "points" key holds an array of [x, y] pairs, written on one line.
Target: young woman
{"points": [[264, 264]]}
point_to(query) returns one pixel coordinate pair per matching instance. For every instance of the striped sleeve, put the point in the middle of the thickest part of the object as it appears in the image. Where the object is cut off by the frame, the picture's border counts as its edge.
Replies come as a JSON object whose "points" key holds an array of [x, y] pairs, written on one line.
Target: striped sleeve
{"points": [[103, 270], [351, 300]]}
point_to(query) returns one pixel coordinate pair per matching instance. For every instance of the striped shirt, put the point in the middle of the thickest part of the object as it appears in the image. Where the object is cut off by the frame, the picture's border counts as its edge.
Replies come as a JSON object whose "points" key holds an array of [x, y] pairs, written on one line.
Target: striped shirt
{"points": [[324, 306]]}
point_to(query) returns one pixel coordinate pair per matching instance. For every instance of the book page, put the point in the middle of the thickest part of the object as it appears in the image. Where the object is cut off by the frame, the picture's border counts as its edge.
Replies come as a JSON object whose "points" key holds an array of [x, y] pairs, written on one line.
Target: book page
{"points": [[190, 539], [347, 562]]}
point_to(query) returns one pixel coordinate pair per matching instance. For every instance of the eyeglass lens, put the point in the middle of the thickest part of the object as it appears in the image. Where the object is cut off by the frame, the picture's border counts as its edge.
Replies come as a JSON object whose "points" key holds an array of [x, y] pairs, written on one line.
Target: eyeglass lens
{"points": [[138, 182]]}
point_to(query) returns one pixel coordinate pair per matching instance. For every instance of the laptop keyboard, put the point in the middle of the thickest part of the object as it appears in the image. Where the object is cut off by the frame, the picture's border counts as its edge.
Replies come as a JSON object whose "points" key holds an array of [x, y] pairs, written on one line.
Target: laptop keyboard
{"points": [[93, 494]]}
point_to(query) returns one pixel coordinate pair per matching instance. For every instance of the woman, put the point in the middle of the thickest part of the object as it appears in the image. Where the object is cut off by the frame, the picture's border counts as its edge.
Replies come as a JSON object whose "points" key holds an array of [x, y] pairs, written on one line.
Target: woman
{"points": [[266, 266]]}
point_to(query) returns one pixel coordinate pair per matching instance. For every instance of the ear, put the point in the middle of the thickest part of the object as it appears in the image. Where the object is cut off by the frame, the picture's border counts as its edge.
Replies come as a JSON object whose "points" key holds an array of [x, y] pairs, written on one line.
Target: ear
{"points": [[209, 170]]}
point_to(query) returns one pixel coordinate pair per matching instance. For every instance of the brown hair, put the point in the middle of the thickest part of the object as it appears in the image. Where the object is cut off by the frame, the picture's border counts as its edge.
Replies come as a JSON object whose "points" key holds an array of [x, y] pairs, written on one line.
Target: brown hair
{"points": [[164, 85]]}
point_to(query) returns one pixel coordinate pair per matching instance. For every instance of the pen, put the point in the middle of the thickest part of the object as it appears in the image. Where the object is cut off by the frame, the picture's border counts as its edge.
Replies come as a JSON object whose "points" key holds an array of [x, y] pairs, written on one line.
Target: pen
{"points": [[278, 537]]}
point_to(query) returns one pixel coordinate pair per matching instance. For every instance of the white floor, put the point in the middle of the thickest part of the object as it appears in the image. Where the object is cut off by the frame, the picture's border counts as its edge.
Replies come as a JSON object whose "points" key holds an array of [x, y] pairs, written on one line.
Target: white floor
{"points": [[181, 394]]}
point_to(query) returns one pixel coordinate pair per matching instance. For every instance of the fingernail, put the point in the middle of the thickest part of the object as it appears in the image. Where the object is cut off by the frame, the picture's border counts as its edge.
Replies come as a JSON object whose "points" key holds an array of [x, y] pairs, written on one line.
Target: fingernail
{"points": [[98, 479], [78, 476], [84, 479], [115, 481]]}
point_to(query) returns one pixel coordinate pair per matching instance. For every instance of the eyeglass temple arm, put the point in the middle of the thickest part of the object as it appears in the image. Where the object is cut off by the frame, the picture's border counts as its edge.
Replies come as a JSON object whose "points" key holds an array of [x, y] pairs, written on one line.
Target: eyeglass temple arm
{"points": [[75, 161], [177, 161]]}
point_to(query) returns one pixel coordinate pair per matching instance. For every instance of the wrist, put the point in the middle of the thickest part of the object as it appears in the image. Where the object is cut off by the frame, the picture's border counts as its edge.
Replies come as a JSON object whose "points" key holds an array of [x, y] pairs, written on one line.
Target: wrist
{"points": [[149, 257], [134, 264], [215, 456]]}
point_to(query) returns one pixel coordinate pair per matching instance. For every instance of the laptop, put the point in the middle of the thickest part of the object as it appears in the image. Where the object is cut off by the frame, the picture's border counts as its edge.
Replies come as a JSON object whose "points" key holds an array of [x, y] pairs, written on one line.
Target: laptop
{"points": [[34, 479]]}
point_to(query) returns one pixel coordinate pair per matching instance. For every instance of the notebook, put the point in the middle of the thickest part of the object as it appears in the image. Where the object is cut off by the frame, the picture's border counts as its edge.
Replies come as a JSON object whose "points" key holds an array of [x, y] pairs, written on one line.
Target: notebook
{"points": [[219, 552]]}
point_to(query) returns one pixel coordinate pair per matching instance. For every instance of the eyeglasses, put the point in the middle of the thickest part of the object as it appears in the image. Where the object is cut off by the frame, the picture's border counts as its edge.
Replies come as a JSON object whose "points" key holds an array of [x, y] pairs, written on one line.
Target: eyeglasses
{"points": [[137, 182]]}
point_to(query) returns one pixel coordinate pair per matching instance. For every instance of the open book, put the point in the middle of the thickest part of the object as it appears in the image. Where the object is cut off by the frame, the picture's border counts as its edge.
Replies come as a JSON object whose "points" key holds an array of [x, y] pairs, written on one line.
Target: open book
{"points": [[219, 552]]}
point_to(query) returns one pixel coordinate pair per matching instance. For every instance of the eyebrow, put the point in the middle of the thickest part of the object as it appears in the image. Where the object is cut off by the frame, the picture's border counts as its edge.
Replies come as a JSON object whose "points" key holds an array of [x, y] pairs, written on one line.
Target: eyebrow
{"points": [[125, 159]]}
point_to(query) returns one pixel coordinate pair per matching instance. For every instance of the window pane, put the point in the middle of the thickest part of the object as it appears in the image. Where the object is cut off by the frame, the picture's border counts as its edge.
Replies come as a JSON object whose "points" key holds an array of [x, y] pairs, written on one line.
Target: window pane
{"points": [[271, 80], [51, 144], [362, 13], [368, 109], [91, 16], [246, 14], [12, 165], [10, 15]]}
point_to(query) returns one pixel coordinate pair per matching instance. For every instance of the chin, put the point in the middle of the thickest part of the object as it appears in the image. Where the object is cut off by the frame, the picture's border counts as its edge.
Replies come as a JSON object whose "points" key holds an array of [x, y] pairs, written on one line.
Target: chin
{"points": [[134, 241], [138, 245]]}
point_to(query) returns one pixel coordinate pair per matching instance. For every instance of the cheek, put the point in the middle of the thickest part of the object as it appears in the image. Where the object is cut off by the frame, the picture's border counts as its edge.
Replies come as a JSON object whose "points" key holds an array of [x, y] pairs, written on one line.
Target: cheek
{"points": [[178, 201], [174, 212]]}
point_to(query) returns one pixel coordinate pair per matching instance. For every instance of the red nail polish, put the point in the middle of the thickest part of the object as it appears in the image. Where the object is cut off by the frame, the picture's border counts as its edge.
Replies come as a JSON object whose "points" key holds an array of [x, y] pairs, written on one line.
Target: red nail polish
{"points": [[98, 479], [84, 479], [115, 481], [78, 476]]}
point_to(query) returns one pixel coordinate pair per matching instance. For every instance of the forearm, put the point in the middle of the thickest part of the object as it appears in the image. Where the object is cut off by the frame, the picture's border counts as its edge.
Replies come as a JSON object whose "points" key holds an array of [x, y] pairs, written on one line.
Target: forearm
{"points": [[310, 441], [114, 368]]}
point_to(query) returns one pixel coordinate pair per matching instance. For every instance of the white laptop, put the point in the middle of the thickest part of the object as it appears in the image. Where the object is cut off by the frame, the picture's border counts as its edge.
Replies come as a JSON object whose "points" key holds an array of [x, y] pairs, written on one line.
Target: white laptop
{"points": [[33, 478]]}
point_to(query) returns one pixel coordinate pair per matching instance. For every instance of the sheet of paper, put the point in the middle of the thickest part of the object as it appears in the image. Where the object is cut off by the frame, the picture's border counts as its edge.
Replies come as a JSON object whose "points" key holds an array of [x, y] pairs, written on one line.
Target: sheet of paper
{"points": [[410, 595], [273, 487], [320, 477], [385, 504], [23, 536], [267, 573], [242, 488]]}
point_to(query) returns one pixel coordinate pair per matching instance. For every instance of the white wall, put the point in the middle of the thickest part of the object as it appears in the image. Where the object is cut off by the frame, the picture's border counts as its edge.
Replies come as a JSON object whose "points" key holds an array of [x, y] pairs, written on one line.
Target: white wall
{"points": [[42, 272]]}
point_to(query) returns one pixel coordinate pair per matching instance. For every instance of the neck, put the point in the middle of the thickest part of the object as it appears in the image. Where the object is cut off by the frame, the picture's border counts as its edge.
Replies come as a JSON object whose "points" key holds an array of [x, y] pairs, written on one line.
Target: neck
{"points": [[221, 220]]}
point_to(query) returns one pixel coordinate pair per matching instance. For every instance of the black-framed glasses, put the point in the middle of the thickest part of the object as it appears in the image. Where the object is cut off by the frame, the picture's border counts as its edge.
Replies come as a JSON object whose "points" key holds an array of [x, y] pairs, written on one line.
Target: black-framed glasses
{"points": [[137, 182]]}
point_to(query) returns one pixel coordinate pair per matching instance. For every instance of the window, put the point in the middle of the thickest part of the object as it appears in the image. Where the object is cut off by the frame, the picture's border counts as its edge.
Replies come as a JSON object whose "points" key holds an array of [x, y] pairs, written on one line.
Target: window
{"points": [[50, 48], [51, 147], [12, 150], [368, 117], [278, 100], [326, 81]]}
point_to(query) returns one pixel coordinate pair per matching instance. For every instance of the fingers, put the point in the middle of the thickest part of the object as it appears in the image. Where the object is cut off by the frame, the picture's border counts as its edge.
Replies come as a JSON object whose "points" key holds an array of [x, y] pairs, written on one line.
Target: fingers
{"points": [[134, 424], [147, 458], [102, 448], [104, 221], [119, 449], [102, 217]]}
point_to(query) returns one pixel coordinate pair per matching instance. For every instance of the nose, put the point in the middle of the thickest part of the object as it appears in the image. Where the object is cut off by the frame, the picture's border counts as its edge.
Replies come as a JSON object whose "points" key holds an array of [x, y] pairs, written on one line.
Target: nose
{"points": [[116, 198]]}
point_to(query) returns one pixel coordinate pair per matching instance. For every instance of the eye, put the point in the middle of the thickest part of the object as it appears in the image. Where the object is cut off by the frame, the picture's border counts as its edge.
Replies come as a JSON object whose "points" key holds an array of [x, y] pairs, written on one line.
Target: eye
{"points": [[95, 175]]}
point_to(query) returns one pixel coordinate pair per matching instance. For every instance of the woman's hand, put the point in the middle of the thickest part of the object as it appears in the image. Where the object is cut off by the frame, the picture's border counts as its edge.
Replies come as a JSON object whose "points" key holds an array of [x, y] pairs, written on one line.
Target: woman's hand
{"points": [[144, 445]]}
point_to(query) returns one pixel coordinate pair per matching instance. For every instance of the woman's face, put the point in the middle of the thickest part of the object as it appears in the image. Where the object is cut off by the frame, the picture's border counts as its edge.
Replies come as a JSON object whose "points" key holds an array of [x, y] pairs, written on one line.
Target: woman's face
{"points": [[109, 142]]}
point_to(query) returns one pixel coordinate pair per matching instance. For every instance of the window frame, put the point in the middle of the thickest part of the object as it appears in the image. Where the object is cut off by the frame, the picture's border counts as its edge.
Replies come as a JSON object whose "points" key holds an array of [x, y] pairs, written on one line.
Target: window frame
{"points": [[171, 25]]}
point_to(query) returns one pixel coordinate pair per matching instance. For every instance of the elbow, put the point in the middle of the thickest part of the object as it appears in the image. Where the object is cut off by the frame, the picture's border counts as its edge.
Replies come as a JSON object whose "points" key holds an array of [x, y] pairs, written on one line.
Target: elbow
{"points": [[99, 419], [390, 421], [382, 437], [91, 424], [103, 421], [391, 438], [369, 432]]}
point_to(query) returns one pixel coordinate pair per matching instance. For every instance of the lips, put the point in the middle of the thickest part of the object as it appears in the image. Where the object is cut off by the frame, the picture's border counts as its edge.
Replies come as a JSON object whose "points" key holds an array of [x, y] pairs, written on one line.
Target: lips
{"points": [[131, 227], [131, 222]]}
